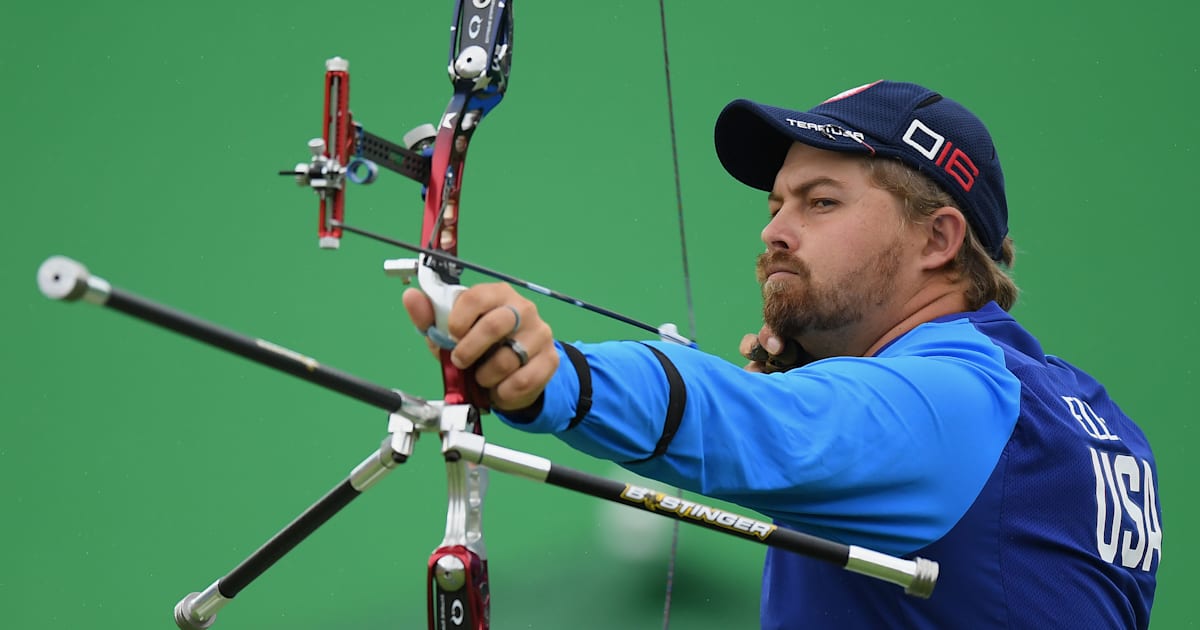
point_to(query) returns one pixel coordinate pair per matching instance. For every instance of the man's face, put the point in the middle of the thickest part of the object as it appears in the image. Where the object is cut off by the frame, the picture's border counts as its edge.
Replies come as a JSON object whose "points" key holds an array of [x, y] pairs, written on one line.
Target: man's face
{"points": [[835, 245]]}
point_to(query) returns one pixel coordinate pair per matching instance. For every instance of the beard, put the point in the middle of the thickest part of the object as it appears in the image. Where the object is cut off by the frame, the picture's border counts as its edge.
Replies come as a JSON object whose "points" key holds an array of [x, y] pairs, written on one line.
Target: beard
{"points": [[795, 305]]}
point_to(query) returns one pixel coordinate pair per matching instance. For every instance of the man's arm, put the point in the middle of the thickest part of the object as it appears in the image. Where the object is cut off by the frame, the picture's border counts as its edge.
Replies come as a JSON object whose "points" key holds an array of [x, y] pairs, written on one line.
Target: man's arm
{"points": [[885, 451]]}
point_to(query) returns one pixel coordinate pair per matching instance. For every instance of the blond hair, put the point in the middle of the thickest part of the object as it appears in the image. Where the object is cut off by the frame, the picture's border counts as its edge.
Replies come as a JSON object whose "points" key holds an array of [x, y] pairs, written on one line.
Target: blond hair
{"points": [[988, 281]]}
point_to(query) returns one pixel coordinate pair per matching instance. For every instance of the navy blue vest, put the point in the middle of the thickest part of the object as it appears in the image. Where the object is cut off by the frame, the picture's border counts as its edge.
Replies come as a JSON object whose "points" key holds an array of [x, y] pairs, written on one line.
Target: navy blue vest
{"points": [[1066, 533]]}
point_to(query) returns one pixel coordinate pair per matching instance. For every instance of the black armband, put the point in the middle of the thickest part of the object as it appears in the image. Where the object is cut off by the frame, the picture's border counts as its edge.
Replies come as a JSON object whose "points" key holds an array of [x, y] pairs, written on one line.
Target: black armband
{"points": [[584, 372], [676, 402]]}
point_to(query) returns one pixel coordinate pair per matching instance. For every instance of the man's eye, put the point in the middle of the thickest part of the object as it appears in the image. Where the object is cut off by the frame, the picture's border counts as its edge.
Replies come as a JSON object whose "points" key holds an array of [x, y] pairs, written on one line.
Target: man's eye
{"points": [[824, 203]]}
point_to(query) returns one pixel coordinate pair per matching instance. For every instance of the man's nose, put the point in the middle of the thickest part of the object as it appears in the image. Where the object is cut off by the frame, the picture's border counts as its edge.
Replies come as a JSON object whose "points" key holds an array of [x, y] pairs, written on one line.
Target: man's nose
{"points": [[777, 235]]}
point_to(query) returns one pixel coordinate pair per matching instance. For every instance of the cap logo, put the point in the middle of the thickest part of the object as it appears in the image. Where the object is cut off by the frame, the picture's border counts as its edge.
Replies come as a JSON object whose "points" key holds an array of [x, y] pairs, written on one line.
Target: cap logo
{"points": [[827, 130], [956, 163]]}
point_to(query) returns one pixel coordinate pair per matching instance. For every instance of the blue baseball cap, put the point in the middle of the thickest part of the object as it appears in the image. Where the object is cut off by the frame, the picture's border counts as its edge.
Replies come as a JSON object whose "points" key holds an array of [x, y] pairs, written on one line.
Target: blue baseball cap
{"points": [[931, 133]]}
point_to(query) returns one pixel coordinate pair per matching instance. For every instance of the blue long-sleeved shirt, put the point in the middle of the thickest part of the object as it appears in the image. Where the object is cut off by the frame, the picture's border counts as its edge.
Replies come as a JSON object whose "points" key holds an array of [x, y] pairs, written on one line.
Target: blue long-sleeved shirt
{"points": [[960, 441]]}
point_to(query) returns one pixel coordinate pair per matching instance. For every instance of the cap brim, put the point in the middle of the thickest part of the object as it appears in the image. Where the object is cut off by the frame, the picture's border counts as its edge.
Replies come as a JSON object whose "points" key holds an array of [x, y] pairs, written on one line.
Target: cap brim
{"points": [[752, 140]]}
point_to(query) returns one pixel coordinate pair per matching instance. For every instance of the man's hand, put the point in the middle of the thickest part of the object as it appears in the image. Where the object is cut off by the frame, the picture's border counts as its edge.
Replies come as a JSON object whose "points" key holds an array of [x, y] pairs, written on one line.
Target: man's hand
{"points": [[768, 353], [485, 320]]}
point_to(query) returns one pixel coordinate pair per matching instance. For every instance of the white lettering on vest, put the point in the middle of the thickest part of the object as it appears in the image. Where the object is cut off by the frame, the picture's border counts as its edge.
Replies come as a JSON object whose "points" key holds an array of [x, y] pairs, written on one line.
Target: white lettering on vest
{"points": [[1121, 523]]}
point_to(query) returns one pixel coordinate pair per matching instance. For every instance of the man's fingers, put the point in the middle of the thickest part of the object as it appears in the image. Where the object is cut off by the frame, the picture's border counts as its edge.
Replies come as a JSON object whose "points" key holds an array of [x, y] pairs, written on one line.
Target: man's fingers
{"points": [[767, 339], [491, 327], [420, 309], [499, 334], [755, 366], [768, 353], [521, 388], [747, 346], [502, 360], [480, 300], [752, 349]]}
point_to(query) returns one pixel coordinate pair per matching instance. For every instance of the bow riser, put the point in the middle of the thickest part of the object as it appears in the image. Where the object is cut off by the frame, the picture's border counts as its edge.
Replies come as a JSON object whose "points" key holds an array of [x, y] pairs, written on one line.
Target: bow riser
{"points": [[480, 49]]}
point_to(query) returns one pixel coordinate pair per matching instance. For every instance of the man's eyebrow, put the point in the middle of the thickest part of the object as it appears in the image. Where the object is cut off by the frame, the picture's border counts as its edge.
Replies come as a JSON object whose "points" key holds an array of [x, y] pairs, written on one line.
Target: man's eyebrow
{"points": [[805, 188]]}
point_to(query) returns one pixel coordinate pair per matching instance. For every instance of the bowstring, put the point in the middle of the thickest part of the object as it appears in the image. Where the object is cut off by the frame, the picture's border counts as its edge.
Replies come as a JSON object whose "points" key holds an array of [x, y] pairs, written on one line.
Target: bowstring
{"points": [[687, 285]]}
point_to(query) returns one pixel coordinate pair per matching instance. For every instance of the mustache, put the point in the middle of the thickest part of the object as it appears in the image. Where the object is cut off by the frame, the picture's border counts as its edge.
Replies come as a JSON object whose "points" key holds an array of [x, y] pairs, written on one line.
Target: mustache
{"points": [[772, 261]]}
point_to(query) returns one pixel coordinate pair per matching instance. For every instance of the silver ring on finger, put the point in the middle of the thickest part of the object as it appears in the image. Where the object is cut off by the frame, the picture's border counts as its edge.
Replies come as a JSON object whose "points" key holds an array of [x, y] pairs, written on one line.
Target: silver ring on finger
{"points": [[518, 349], [516, 321]]}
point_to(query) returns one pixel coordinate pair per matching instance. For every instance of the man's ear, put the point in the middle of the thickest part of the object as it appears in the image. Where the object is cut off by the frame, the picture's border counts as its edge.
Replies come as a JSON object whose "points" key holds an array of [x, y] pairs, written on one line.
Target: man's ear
{"points": [[945, 235]]}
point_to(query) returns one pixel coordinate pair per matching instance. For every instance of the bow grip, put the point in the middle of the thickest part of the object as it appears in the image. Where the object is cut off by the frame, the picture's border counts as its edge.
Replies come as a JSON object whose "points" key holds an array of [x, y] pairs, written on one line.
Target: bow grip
{"points": [[443, 296]]}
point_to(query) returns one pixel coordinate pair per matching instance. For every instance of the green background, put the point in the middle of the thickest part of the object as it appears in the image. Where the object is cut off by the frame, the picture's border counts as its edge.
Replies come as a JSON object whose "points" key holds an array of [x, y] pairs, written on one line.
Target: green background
{"points": [[142, 139]]}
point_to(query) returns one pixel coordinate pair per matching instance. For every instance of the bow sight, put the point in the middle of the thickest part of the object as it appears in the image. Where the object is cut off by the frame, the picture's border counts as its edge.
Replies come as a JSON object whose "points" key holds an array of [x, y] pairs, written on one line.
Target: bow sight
{"points": [[346, 151]]}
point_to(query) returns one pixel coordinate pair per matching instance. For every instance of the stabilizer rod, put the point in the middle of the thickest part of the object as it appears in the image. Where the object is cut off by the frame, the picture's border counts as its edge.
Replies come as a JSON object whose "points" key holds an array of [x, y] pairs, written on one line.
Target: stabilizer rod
{"points": [[917, 576], [61, 278], [198, 611]]}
